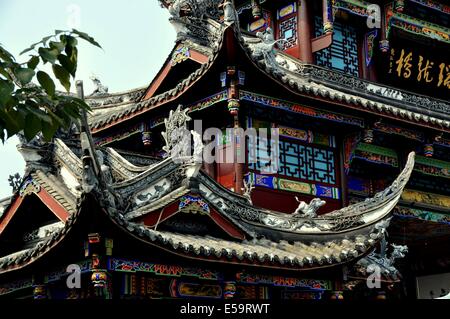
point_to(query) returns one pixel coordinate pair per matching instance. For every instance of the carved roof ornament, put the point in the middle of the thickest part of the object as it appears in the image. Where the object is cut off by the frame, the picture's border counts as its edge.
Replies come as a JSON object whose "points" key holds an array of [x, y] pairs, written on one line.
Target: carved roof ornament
{"points": [[176, 135], [382, 260], [308, 210], [197, 9], [263, 48], [230, 14], [249, 185], [100, 89]]}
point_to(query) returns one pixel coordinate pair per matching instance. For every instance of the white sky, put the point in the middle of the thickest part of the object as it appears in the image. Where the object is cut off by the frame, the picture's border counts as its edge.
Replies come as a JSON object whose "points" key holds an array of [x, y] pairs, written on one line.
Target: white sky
{"points": [[136, 37]]}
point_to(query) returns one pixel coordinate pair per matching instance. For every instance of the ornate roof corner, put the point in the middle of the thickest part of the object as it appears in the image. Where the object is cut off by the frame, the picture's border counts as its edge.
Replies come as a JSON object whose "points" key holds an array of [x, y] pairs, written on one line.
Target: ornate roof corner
{"points": [[263, 49], [368, 217], [383, 262], [36, 153], [196, 20]]}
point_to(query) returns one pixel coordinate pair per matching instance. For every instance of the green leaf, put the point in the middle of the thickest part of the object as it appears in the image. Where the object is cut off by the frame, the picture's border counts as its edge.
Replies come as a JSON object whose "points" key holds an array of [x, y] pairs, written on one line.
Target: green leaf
{"points": [[24, 75], [69, 40], [48, 55], [6, 89], [14, 122], [49, 130], [5, 55], [30, 48], [57, 45], [86, 37], [36, 111], [62, 75], [33, 62], [32, 126], [67, 64], [59, 31], [46, 82], [45, 39]]}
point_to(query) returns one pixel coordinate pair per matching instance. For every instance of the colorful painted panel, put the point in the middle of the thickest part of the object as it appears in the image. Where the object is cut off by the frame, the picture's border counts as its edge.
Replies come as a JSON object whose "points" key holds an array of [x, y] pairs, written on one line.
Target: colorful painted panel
{"points": [[414, 196], [350, 143], [273, 182], [193, 204], [158, 269], [307, 136], [434, 167], [180, 55], [209, 101], [436, 5], [287, 10], [407, 212], [420, 27], [193, 290], [400, 131], [369, 45], [342, 55], [352, 6], [376, 154], [299, 109], [283, 281], [261, 24]]}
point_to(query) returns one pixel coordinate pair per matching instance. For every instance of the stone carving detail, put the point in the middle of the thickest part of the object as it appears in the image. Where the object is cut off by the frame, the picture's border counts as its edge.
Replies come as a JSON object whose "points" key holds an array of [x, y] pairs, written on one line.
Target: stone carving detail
{"points": [[385, 262], [264, 49], [15, 181], [160, 189], [308, 210], [193, 8], [230, 14], [249, 185], [175, 135], [100, 89], [106, 170]]}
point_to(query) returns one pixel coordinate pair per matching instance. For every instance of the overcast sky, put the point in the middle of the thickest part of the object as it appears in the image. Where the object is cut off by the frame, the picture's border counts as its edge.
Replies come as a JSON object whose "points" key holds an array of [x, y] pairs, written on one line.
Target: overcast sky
{"points": [[136, 37]]}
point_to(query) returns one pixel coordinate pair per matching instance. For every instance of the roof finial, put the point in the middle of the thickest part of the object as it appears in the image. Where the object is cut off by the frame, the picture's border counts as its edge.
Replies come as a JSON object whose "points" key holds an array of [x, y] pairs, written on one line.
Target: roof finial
{"points": [[100, 89]]}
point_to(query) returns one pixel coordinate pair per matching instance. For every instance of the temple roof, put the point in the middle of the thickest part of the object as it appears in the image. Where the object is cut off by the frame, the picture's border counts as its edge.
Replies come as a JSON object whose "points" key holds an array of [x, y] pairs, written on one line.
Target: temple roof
{"points": [[306, 80], [126, 193]]}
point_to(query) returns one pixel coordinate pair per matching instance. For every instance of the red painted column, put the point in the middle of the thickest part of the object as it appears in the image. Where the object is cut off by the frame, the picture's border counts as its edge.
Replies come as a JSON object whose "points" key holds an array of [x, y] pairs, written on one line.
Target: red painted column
{"points": [[304, 32]]}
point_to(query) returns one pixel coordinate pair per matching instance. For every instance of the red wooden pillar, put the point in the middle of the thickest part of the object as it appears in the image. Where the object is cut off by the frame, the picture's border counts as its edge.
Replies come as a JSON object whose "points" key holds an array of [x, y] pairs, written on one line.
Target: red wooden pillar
{"points": [[304, 32]]}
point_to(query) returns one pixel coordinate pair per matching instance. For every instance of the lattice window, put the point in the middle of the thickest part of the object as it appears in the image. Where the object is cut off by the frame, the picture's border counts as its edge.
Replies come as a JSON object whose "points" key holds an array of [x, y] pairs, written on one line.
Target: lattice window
{"points": [[287, 26], [305, 162], [287, 30], [343, 53]]}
